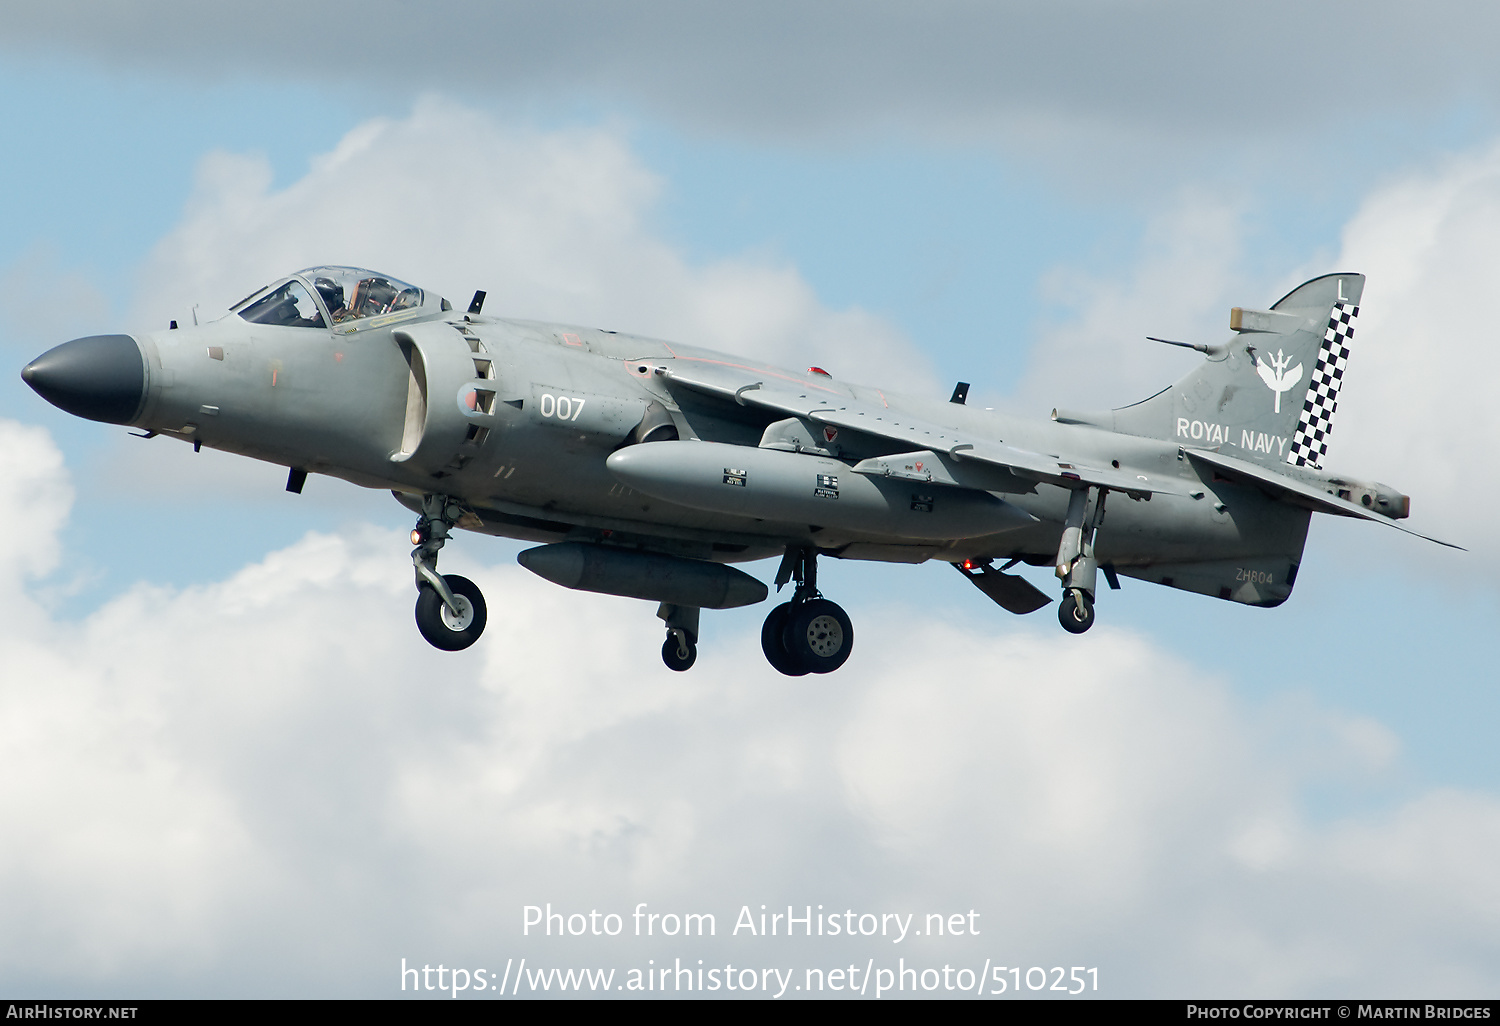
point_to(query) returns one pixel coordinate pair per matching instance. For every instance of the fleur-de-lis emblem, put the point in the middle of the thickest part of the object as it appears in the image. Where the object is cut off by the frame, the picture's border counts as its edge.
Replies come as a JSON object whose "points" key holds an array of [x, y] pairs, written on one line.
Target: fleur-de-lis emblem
{"points": [[1276, 376]]}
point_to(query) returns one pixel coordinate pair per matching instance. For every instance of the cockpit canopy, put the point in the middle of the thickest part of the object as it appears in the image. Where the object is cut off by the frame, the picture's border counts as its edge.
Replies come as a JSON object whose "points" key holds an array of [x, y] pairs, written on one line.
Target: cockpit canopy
{"points": [[345, 298]]}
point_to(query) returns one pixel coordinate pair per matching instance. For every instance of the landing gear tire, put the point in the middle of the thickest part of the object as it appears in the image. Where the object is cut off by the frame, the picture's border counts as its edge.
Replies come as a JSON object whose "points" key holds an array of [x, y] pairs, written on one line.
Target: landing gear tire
{"points": [[1077, 611], [772, 643], [818, 635], [679, 653], [438, 624]]}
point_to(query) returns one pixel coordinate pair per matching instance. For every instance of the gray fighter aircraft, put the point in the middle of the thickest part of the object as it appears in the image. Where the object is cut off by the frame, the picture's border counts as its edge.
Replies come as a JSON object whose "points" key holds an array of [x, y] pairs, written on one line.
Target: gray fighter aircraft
{"points": [[644, 468]]}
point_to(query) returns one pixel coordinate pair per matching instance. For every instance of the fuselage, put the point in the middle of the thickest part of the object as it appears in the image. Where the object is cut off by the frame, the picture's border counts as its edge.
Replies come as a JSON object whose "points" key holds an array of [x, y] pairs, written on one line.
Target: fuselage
{"points": [[516, 420], [643, 467]]}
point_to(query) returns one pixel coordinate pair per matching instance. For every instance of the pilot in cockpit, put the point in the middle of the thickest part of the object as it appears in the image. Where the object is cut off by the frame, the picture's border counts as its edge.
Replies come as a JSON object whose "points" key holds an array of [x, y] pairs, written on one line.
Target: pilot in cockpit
{"points": [[333, 298], [288, 306], [348, 294]]}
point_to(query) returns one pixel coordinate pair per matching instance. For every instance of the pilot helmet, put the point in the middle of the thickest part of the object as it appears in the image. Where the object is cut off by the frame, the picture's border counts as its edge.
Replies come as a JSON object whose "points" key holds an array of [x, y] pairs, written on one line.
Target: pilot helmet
{"points": [[332, 293]]}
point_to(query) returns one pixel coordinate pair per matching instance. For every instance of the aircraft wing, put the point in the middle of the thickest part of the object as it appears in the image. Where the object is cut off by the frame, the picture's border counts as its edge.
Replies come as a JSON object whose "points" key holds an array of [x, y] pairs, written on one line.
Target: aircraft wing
{"points": [[916, 435], [1298, 492]]}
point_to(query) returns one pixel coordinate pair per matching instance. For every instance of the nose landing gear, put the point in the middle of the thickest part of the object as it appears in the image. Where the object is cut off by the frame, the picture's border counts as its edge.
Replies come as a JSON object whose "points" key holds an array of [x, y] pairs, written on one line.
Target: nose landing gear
{"points": [[450, 609], [451, 628], [809, 634]]}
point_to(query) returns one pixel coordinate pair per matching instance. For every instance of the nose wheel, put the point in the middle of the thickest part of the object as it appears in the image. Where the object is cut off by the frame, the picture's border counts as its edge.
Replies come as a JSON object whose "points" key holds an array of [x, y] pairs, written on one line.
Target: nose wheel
{"points": [[679, 651], [809, 634], [450, 609], [451, 629]]}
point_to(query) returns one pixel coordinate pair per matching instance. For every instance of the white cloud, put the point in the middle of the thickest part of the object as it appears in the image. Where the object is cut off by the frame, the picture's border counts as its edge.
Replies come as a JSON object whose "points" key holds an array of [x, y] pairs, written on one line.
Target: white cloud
{"points": [[553, 225], [1417, 405], [1094, 354], [271, 785], [34, 493]]}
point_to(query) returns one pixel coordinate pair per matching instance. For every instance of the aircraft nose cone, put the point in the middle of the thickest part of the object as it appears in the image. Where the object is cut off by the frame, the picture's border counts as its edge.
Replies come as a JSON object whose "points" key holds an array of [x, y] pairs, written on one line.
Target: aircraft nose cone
{"points": [[100, 377]]}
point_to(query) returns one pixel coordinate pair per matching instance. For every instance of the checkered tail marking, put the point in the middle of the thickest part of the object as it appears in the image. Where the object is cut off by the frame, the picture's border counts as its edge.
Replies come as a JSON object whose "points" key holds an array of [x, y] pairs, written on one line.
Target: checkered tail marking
{"points": [[1310, 443]]}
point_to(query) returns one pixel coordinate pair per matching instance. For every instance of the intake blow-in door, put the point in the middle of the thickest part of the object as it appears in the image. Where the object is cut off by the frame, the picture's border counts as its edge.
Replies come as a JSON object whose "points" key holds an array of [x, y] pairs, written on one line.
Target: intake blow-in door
{"points": [[450, 398]]}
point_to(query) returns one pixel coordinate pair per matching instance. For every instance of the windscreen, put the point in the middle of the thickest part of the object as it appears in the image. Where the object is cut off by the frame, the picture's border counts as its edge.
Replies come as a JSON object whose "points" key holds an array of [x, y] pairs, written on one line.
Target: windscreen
{"points": [[287, 305]]}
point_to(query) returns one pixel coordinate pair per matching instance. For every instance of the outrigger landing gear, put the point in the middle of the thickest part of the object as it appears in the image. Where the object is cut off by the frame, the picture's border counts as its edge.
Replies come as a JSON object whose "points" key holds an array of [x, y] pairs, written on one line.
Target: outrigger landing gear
{"points": [[1076, 566], [680, 650], [1077, 611], [450, 609], [809, 634]]}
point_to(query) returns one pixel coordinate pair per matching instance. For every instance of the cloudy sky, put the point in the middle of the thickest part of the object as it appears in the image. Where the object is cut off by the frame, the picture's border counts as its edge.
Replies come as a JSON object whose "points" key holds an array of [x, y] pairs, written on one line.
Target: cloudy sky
{"points": [[230, 766]]}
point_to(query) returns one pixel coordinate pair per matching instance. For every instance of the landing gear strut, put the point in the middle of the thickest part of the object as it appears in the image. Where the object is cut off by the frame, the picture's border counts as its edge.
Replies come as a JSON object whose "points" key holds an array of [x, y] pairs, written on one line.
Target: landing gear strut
{"points": [[809, 634], [1076, 566], [680, 650], [450, 609]]}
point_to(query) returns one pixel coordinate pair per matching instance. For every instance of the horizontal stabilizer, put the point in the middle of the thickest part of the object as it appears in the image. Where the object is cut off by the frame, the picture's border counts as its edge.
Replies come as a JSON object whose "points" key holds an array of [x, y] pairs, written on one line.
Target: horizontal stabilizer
{"points": [[1299, 493], [1009, 591]]}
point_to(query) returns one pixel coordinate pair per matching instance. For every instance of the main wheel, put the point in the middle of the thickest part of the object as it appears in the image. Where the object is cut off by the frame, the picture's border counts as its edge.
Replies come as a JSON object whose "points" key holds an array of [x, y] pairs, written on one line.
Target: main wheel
{"points": [[773, 645], [818, 635], [679, 655], [438, 624], [1076, 613]]}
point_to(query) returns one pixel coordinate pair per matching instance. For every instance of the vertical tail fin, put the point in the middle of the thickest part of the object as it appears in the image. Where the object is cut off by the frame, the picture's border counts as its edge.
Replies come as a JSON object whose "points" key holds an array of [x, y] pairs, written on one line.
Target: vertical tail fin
{"points": [[1244, 397]]}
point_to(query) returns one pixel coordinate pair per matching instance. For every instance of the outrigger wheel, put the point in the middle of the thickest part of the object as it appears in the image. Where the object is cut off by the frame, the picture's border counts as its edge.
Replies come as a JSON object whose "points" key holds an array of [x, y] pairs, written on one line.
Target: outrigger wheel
{"points": [[679, 651], [1077, 566], [1076, 613]]}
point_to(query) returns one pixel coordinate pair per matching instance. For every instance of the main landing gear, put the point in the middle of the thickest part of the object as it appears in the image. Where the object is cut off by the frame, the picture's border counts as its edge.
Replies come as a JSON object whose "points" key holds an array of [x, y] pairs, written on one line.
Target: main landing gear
{"points": [[1076, 566], [809, 634], [450, 608]]}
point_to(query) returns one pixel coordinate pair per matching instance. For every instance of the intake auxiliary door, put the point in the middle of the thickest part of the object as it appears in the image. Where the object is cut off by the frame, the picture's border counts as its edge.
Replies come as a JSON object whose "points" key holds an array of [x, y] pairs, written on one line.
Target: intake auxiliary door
{"points": [[450, 398]]}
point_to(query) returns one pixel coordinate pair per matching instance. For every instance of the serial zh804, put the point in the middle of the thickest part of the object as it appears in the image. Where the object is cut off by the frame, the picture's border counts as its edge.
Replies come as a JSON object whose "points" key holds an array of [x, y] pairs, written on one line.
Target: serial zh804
{"points": [[646, 469]]}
